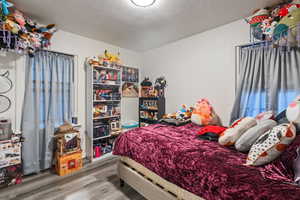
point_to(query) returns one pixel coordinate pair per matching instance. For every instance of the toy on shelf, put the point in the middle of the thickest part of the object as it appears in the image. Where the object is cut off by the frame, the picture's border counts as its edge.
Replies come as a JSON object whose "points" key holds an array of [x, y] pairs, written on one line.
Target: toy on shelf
{"points": [[102, 110], [107, 60], [160, 85], [106, 76], [19, 33], [101, 94], [147, 88], [279, 24], [151, 109]]}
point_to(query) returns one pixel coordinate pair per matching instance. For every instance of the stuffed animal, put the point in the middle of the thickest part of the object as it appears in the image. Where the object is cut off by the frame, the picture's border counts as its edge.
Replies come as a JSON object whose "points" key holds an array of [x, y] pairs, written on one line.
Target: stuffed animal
{"points": [[112, 58], [19, 18], [258, 17], [4, 7], [12, 26], [180, 114], [160, 85], [286, 25], [203, 114], [268, 27], [293, 112], [288, 8], [93, 61]]}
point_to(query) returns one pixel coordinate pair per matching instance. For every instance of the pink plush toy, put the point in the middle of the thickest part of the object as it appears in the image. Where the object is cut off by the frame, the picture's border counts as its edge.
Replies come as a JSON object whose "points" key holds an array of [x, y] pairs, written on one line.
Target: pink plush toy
{"points": [[19, 18]]}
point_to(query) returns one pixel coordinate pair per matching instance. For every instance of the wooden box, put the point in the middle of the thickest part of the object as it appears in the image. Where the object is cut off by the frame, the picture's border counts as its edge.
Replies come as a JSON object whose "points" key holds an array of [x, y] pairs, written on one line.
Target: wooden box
{"points": [[69, 163], [65, 145]]}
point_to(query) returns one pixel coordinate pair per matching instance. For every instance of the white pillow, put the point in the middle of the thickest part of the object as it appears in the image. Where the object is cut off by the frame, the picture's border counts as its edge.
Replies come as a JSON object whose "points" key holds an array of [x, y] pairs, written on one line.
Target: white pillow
{"points": [[237, 129], [245, 142]]}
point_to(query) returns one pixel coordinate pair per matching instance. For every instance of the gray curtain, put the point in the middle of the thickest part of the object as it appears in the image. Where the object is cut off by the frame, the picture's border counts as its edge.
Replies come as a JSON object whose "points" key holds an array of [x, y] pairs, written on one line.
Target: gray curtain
{"points": [[47, 104], [269, 79]]}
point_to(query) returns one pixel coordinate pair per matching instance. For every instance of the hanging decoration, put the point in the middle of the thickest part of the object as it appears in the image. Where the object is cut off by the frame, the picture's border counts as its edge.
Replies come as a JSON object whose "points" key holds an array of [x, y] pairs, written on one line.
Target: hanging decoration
{"points": [[279, 24], [21, 34]]}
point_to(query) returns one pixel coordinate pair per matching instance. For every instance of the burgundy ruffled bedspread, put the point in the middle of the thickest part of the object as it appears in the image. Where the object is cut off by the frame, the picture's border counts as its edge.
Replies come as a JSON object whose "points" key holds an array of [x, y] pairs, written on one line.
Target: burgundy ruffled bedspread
{"points": [[205, 168]]}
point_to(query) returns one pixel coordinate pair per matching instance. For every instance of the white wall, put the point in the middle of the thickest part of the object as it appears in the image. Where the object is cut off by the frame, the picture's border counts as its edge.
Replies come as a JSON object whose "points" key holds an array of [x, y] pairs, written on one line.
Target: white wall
{"points": [[195, 67], [82, 47], [201, 66]]}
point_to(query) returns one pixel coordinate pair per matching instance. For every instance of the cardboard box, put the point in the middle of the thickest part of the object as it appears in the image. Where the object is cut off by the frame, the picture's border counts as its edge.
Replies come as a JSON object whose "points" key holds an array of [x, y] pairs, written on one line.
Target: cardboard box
{"points": [[69, 163]]}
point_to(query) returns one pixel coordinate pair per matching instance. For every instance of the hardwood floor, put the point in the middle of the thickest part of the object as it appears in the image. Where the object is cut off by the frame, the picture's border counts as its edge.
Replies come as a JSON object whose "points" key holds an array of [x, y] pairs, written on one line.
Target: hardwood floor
{"points": [[93, 183]]}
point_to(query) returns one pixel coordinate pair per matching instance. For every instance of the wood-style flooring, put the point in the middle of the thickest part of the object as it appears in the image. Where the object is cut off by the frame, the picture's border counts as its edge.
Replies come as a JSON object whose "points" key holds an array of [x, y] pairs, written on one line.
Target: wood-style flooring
{"points": [[95, 182]]}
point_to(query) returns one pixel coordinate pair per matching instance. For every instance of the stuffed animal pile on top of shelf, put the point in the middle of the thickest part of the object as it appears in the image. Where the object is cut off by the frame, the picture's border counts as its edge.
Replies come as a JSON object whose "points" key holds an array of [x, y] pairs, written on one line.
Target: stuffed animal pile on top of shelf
{"points": [[20, 33], [106, 60], [279, 24]]}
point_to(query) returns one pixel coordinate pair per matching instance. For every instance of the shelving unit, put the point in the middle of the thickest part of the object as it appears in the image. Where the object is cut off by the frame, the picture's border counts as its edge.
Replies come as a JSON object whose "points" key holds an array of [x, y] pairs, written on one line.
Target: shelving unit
{"points": [[103, 109], [151, 110]]}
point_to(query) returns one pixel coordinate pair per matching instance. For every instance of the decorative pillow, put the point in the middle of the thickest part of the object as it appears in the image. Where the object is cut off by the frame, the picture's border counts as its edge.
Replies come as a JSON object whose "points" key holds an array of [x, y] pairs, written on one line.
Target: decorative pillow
{"points": [[271, 144], [264, 116], [238, 128], [203, 114], [245, 142]]}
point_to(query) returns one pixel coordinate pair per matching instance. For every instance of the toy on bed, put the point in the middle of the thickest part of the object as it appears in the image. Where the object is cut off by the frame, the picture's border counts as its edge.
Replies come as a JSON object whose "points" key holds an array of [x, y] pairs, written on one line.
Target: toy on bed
{"points": [[184, 113], [203, 114]]}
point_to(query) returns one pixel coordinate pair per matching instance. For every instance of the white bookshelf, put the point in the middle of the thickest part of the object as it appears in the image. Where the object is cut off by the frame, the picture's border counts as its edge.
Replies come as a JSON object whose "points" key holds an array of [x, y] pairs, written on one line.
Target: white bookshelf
{"points": [[94, 121]]}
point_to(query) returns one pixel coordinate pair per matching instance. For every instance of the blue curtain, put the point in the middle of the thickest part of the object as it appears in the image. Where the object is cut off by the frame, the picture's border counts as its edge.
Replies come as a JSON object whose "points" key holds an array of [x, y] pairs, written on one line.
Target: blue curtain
{"points": [[48, 103], [269, 79]]}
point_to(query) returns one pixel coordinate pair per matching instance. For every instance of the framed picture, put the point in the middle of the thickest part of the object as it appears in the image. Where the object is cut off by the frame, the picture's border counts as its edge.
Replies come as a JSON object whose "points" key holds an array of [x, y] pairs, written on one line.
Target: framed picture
{"points": [[130, 89], [130, 74]]}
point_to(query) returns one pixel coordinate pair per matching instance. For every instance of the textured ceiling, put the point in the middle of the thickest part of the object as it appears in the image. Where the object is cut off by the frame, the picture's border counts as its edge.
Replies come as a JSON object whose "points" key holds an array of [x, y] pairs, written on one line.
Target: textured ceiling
{"points": [[120, 23]]}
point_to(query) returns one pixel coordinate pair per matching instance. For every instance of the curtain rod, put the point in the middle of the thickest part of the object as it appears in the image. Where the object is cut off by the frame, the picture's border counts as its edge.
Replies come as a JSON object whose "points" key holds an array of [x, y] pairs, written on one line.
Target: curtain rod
{"points": [[53, 51], [253, 44]]}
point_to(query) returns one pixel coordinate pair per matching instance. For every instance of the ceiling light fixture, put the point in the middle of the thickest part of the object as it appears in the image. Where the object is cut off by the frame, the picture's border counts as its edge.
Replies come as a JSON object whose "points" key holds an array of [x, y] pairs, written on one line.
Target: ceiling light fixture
{"points": [[143, 3]]}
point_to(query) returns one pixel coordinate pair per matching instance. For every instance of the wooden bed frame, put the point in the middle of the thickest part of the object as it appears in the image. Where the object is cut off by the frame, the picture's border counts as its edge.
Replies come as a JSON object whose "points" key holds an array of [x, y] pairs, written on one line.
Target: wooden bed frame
{"points": [[149, 184]]}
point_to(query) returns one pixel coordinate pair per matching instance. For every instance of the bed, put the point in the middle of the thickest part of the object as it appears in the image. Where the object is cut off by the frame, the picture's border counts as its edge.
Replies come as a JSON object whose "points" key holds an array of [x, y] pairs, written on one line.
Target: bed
{"points": [[167, 162]]}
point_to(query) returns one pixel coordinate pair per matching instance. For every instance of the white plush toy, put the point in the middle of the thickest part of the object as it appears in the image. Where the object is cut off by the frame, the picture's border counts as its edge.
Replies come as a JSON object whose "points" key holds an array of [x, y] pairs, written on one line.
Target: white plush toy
{"points": [[293, 112]]}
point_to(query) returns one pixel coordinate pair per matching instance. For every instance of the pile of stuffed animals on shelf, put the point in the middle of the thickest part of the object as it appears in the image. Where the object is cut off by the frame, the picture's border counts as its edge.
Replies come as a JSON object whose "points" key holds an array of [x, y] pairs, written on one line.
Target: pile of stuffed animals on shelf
{"points": [[106, 60], [20, 33], [279, 24], [158, 90]]}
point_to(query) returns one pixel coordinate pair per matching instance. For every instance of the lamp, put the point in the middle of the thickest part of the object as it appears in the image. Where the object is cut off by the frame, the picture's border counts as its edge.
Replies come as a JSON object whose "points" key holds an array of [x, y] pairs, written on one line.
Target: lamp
{"points": [[143, 3]]}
